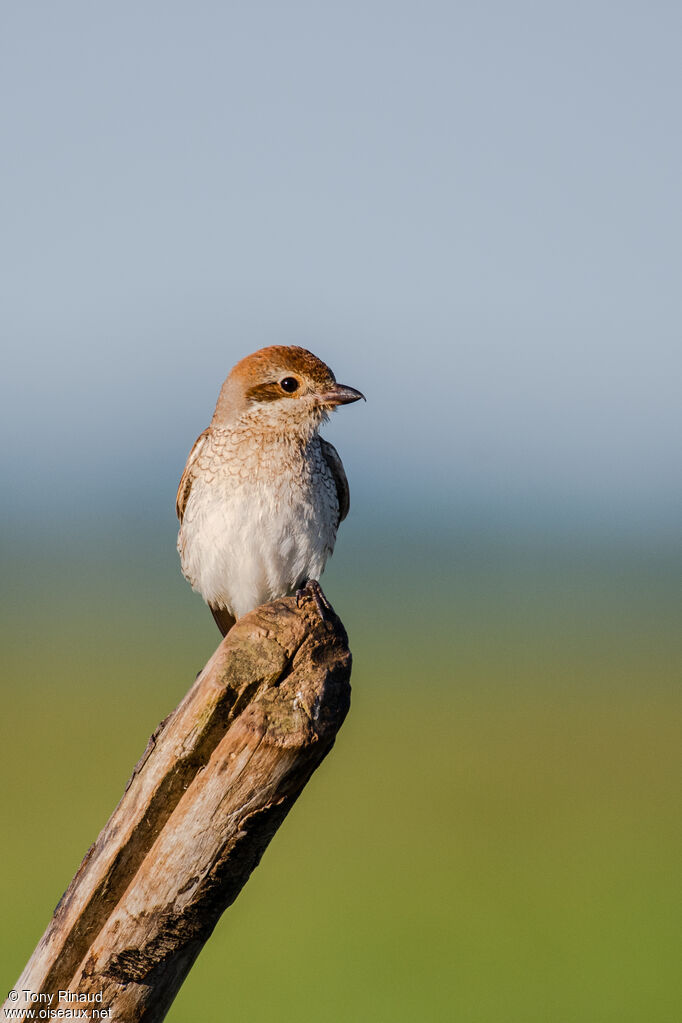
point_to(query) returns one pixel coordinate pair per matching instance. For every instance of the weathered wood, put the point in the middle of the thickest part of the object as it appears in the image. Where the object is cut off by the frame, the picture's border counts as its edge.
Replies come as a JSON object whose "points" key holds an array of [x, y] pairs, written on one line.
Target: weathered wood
{"points": [[216, 780]]}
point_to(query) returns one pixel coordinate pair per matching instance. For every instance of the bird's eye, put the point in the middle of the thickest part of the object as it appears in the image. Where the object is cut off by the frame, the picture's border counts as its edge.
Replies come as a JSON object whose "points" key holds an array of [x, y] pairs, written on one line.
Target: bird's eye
{"points": [[289, 384]]}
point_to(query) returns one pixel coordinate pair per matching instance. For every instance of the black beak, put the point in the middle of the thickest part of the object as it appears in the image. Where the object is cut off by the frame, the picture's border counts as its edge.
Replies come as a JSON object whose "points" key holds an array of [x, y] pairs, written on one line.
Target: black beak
{"points": [[339, 394]]}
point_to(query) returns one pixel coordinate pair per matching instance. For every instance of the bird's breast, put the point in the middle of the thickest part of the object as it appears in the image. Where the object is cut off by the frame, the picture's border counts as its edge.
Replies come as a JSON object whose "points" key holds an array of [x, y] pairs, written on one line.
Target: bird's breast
{"points": [[257, 523]]}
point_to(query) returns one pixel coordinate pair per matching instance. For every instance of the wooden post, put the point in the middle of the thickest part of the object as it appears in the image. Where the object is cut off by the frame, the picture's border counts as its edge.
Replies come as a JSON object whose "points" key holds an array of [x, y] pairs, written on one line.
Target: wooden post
{"points": [[216, 780]]}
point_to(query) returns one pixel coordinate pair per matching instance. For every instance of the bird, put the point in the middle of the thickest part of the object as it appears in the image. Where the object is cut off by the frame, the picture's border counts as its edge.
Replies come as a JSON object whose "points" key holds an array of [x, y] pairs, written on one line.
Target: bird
{"points": [[262, 494]]}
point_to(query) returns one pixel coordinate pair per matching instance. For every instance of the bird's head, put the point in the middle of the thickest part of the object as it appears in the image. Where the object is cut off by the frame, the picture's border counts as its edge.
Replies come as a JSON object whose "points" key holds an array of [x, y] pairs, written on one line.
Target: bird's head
{"points": [[284, 386]]}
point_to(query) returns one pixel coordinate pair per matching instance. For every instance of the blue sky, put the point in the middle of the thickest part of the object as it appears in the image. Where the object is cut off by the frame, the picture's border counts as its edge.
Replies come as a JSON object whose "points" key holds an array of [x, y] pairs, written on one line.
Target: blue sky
{"points": [[471, 211]]}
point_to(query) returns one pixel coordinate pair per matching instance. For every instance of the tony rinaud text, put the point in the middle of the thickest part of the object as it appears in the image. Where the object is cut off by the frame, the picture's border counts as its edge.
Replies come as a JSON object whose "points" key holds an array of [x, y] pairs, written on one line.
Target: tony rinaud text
{"points": [[62, 996]]}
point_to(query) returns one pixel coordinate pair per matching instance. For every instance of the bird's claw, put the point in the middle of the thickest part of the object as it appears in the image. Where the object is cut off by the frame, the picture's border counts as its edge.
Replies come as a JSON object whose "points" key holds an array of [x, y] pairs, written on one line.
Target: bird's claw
{"points": [[313, 589]]}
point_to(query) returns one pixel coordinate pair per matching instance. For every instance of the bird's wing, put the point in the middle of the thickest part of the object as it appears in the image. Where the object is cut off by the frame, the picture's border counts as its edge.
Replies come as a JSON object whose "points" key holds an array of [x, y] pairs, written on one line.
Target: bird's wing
{"points": [[331, 457], [187, 477]]}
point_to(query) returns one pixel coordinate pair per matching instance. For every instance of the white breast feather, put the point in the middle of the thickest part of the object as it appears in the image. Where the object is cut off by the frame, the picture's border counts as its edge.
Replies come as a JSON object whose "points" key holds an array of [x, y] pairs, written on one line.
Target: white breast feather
{"points": [[251, 533]]}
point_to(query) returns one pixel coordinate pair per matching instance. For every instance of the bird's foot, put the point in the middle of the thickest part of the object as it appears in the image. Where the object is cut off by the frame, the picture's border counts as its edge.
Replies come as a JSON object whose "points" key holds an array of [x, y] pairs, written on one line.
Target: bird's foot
{"points": [[313, 589]]}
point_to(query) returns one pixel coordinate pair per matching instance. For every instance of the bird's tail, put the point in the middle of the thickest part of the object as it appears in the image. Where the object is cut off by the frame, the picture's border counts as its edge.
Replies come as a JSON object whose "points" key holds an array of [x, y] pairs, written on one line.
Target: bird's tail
{"points": [[223, 619]]}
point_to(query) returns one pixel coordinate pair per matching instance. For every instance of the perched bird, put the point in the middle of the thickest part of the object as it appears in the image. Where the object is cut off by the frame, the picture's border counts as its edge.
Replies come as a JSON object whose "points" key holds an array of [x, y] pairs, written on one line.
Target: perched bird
{"points": [[262, 494]]}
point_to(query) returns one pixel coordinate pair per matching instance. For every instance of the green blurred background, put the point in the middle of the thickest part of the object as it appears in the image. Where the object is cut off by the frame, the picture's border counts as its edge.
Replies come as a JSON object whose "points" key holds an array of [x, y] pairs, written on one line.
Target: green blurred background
{"points": [[496, 833], [472, 212]]}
